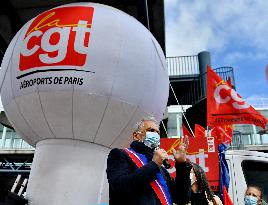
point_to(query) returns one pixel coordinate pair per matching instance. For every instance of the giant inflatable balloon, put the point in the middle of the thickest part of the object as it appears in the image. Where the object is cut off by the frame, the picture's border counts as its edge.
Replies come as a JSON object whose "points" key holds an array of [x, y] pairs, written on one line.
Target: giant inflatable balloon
{"points": [[74, 80]]}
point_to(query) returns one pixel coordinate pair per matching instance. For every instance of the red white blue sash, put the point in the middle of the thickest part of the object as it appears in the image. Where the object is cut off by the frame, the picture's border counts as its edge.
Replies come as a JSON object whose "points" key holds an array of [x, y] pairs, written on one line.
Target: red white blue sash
{"points": [[159, 185]]}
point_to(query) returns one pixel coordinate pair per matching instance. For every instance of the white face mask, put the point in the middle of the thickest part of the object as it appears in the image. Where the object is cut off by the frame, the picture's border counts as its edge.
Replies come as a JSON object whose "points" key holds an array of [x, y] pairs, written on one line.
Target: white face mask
{"points": [[250, 200], [152, 138]]}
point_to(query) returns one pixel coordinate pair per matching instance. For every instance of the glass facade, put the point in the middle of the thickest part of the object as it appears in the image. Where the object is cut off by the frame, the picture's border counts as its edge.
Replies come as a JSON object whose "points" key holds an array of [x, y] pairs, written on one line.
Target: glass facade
{"points": [[174, 125], [246, 134], [9, 139]]}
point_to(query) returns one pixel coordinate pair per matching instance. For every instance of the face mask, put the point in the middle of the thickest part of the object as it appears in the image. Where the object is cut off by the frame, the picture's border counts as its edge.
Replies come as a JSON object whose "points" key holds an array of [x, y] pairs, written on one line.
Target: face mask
{"points": [[250, 200], [152, 138]]}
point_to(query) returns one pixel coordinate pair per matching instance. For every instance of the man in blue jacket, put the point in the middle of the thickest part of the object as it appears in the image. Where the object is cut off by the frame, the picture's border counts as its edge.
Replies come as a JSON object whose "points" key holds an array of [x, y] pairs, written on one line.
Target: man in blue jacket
{"points": [[136, 175]]}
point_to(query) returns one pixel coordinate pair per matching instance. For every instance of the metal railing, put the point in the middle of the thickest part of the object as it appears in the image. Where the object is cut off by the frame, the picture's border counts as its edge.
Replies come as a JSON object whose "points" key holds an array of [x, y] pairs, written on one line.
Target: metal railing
{"points": [[182, 65], [248, 141], [189, 65], [186, 68], [226, 73], [8, 165], [194, 91]]}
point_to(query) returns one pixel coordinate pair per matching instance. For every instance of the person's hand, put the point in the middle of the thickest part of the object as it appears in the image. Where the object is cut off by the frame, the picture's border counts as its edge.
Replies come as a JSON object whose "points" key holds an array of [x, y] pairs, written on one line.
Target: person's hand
{"points": [[180, 154], [159, 156]]}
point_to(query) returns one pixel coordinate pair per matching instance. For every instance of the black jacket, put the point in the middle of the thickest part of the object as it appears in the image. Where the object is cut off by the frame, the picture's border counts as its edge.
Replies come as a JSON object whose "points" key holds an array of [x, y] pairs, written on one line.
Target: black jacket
{"points": [[130, 185], [198, 198]]}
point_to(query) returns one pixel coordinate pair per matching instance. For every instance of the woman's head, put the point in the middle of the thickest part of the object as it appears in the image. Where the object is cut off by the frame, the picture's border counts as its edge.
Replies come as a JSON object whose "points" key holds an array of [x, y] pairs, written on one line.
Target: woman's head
{"points": [[253, 195], [199, 181]]}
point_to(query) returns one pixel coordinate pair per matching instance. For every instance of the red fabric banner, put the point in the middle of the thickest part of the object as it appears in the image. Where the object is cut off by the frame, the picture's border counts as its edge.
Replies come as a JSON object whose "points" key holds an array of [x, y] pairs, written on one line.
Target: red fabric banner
{"points": [[226, 198], [223, 134], [201, 150], [199, 131], [186, 132], [225, 106]]}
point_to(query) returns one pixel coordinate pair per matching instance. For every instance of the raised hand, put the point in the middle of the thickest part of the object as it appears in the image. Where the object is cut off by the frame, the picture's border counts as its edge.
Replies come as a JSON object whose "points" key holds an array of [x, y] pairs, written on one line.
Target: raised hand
{"points": [[180, 154]]}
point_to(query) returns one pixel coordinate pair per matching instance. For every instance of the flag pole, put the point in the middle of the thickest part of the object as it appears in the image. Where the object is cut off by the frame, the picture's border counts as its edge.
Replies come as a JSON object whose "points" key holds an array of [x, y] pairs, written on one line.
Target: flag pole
{"points": [[208, 134], [181, 109], [164, 127]]}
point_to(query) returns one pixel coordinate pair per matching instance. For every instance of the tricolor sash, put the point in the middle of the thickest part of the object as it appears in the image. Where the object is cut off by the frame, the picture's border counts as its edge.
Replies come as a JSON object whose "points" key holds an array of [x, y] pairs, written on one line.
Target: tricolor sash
{"points": [[159, 185]]}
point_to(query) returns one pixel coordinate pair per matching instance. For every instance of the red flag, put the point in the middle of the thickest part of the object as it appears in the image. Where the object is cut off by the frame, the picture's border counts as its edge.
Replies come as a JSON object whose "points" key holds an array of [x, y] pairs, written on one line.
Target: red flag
{"points": [[223, 134], [225, 106], [226, 198], [199, 131], [186, 131]]}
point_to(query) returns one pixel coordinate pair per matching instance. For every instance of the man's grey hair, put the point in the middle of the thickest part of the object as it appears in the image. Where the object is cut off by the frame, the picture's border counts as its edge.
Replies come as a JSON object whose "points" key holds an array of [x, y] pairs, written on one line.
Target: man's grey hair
{"points": [[137, 127]]}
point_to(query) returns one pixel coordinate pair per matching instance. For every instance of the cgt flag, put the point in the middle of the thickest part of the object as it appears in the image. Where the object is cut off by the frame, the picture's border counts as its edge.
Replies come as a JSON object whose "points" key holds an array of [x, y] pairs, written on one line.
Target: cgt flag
{"points": [[199, 131], [223, 133], [225, 106]]}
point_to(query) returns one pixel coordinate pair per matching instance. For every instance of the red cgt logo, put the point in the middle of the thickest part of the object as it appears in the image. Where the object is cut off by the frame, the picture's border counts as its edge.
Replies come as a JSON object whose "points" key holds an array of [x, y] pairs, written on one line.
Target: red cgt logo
{"points": [[230, 95], [59, 37]]}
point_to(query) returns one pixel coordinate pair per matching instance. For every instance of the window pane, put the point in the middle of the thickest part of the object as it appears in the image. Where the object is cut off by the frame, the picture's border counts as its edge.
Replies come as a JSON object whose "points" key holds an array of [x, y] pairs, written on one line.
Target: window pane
{"points": [[172, 124], [25, 145], [17, 143], [246, 139], [265, 138], [7, 143]]}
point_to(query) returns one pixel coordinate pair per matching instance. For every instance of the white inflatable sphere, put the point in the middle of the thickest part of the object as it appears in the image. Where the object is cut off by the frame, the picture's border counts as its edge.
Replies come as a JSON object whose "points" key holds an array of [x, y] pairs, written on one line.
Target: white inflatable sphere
{"points": [[83, 71]]}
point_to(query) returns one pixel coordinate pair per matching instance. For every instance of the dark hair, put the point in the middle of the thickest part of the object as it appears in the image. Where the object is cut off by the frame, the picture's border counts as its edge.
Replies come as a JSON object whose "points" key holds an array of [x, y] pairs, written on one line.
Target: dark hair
{"points": [[203, 182], [256, 187]]}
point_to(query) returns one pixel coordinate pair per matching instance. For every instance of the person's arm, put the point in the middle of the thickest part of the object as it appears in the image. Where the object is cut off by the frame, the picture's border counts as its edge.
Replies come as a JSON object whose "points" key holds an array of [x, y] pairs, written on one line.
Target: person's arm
{"points": [[183, 183], [122, 178], [182, 190]]}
